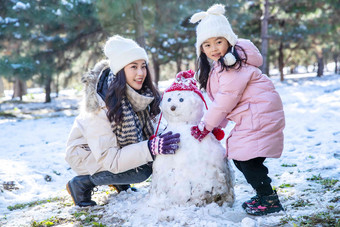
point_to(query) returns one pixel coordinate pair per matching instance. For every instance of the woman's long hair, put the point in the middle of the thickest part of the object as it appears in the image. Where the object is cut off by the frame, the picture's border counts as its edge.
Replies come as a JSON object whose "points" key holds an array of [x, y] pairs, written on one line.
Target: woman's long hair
{"points": [[204, 65], [117, 90]]}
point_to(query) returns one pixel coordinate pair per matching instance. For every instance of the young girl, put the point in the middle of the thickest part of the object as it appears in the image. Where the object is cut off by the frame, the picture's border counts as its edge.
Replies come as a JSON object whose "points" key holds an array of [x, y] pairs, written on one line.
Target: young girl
{"points": [[109, 142], [241, 93]]}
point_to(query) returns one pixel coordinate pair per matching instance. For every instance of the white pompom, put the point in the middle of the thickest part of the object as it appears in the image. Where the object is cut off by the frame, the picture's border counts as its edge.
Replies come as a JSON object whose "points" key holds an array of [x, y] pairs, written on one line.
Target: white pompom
{"points": [[216, 9], [197, 17], [229, 59]]}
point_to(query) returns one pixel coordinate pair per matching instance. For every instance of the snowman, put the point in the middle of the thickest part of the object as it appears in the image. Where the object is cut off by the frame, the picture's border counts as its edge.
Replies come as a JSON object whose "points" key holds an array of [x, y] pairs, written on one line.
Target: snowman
{"points": [[197, 174]]}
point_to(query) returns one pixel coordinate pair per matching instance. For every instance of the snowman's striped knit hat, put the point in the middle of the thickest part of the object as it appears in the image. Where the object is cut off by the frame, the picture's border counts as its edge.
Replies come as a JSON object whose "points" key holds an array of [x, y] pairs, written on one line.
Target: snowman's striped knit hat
{"points": [[185, 82]]}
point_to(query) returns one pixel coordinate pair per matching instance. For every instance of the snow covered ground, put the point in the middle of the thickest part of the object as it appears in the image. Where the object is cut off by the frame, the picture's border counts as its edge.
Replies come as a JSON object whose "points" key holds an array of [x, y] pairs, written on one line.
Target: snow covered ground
{"points": [[33, 172]]}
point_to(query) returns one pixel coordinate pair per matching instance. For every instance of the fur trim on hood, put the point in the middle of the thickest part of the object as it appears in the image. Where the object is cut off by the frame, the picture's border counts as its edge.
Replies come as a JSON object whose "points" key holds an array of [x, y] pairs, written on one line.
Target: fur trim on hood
{"points": [[90, 80]]}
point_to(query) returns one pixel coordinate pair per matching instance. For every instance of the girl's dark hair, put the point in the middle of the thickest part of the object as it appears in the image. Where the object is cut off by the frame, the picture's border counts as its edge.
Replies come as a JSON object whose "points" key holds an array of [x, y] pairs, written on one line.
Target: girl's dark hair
{"points": [[204, 65], [117, 90]]}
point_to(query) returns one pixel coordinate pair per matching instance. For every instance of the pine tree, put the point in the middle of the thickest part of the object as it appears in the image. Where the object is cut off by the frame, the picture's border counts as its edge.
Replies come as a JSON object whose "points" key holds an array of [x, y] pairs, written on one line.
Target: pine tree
{"points": [[300, 29], [49, 36]]}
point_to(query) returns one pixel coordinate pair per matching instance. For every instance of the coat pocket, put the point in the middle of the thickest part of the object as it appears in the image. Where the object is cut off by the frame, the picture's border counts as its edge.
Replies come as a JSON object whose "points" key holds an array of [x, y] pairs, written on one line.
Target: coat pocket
{"points": [[76, 157]]}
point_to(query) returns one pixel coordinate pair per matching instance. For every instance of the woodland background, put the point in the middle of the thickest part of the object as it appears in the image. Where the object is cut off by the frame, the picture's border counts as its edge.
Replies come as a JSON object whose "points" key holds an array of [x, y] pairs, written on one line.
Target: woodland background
{"points": [[50, 44]]}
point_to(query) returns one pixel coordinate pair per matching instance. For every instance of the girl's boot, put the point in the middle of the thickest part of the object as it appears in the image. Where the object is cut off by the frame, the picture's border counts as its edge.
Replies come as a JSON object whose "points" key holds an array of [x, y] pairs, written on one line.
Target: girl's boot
{"points": [[263, 189], [265, 205], [251, 202]]}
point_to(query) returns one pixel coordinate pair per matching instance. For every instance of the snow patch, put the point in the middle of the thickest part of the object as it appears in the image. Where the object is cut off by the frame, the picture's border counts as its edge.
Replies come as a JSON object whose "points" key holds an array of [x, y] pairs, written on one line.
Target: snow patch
{"points": [[21, 6]]}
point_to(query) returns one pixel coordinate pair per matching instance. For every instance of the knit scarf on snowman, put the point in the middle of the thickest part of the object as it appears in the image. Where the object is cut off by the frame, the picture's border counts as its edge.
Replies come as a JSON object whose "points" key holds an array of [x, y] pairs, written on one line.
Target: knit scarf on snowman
{"points": [[136, 124]]}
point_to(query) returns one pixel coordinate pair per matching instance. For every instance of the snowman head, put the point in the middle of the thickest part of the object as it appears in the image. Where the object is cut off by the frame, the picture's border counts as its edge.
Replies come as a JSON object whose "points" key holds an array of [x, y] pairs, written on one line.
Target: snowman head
{"points": [[182, 101]]}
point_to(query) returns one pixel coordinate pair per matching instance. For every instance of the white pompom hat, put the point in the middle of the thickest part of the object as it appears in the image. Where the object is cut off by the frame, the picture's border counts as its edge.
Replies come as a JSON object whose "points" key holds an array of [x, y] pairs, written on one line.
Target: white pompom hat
{"points": [[213, 24], [121, 51]]}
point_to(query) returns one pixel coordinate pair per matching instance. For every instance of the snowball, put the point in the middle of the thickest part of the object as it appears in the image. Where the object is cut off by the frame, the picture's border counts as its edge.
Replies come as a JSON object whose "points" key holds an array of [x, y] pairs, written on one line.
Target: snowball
{"points": [[248, 222]]}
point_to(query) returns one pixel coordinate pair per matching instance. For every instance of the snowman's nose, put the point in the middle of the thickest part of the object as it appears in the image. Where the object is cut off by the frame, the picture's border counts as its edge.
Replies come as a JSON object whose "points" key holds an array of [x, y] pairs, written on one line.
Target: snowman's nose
{"points": [[173, 108]]}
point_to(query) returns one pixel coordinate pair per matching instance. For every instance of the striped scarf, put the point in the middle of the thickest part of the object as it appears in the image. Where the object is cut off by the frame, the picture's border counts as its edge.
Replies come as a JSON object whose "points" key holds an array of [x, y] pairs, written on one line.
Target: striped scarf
{"points": [[136, 124]]}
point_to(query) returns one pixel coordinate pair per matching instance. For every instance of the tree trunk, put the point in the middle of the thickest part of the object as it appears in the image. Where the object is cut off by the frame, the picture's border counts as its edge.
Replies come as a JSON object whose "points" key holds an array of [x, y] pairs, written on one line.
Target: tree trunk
{"points": [[178, 64], [153, 38], [280, 61], [265, 37], [319, 57], [2, 90], [335, 58], [48, 88], [19, 88], [139, 23], [57, 86], [156, 68]]}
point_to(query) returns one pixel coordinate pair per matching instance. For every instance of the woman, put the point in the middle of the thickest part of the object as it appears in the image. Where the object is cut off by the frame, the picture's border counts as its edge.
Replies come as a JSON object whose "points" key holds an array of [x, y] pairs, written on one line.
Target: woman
{"points": [[109, 142]]}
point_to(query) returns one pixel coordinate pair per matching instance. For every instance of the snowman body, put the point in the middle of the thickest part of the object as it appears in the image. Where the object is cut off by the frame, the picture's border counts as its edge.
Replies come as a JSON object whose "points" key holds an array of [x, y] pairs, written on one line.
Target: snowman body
{"points": [[197, 174]]}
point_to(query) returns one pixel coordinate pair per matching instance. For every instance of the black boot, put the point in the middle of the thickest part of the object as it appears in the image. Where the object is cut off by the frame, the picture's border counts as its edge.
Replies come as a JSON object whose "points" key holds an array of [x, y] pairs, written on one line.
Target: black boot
{"points": [[265, 205], [251, 202], [263, 189], [80, 188]]}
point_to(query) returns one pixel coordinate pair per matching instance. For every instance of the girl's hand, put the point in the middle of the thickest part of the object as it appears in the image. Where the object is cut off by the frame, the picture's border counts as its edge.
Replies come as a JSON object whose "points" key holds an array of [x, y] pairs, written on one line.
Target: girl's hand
{"points": [[198, 134]]}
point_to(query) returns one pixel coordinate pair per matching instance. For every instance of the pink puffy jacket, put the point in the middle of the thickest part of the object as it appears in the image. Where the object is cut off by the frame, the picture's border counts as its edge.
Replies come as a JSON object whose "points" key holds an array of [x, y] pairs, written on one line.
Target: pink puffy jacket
{"points": [[247, 97]]}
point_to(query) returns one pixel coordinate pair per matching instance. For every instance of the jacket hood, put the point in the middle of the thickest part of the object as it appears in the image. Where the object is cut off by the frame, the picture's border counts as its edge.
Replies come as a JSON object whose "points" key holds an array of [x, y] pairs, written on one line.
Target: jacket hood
{"points": [[254, 56], [92, 101]]}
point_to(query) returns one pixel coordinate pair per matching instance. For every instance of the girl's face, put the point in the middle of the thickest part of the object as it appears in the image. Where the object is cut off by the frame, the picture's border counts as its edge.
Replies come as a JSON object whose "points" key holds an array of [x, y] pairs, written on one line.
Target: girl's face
{"points": [[215, 47], [135, 74]]}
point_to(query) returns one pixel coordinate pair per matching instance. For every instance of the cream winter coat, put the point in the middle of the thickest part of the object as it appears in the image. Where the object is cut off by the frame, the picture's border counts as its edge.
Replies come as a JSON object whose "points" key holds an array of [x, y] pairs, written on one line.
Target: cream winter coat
{"points": [[92, 146], [247, 97]]}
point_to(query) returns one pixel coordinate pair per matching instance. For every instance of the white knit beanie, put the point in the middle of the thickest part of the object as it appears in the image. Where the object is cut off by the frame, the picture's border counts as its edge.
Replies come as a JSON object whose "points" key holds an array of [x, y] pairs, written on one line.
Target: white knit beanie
{"points": [[121, 51], [213, 24]]}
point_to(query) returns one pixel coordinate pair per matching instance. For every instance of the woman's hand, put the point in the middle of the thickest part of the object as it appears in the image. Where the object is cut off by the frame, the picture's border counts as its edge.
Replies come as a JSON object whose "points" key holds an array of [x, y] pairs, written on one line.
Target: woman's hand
{"points": [[164, 144]]}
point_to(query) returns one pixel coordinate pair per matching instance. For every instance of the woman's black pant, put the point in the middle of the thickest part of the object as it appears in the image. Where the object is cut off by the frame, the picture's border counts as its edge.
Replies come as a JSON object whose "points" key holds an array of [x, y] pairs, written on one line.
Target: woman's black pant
{"points": [[256, 175], [131, 176]]}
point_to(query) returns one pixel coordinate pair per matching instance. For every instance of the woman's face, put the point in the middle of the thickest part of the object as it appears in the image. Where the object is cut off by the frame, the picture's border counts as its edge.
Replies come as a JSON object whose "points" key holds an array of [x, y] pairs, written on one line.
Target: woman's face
{"points": [[215, 47], [135, 74]]}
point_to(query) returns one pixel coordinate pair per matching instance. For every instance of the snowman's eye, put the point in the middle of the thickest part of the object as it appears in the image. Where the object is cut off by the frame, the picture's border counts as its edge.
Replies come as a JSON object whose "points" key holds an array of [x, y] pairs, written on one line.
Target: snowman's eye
{"points": [[181, 99], [169, 100]]}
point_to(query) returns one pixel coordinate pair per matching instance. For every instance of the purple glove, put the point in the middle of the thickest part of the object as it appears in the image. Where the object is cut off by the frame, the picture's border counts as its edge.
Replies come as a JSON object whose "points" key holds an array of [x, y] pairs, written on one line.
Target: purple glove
{"points": [[164, 144]]}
